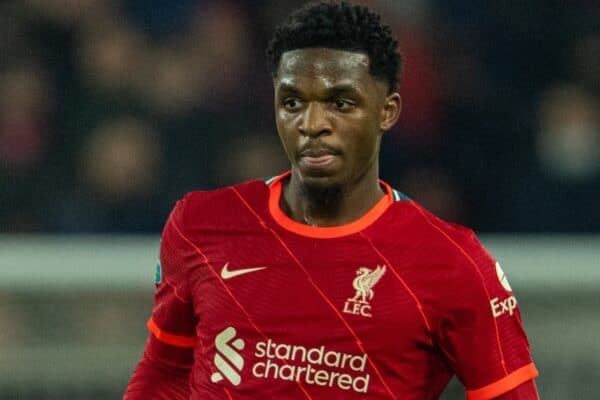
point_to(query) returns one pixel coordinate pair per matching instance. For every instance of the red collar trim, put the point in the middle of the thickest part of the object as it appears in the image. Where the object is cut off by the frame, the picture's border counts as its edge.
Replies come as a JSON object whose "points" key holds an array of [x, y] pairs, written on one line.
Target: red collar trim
{"points": [[329, 232]]}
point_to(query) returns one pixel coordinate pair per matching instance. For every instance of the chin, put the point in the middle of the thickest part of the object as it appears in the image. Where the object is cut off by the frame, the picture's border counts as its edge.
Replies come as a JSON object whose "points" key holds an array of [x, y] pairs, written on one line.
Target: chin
{"points": [[319, 179], [325, 192]]}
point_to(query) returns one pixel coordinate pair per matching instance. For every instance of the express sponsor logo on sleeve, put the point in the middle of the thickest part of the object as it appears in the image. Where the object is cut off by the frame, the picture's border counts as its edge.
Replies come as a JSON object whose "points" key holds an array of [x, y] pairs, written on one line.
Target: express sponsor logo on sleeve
{"points": [[508, 304]]}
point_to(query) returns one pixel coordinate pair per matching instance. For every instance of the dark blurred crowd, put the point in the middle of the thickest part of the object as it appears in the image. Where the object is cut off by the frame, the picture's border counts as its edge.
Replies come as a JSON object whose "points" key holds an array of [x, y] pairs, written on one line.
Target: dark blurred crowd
{"points": [[111, 110]]}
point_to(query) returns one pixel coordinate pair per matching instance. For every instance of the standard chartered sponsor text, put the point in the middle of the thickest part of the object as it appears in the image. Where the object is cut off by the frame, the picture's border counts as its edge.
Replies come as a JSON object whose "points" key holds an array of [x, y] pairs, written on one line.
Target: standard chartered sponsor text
{"points": [[313, 366]]}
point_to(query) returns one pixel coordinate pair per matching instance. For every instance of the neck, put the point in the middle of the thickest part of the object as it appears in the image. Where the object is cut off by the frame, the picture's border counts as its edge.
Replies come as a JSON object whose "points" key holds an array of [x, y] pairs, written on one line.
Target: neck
{"points": [[329, 205]]}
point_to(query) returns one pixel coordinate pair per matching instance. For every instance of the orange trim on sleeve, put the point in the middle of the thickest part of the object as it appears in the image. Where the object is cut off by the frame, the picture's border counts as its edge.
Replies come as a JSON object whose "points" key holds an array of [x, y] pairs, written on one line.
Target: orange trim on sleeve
{"points": [[505, 384], [173, 340], [275, 189]]}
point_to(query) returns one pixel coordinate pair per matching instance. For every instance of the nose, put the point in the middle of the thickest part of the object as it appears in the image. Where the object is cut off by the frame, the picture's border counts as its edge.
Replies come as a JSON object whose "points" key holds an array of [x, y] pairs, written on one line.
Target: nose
{"points": [[314, 121]]}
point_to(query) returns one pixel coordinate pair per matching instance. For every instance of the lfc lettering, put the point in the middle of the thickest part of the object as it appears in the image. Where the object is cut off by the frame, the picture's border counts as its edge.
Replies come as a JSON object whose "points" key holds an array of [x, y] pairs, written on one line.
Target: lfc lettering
{"points": [[357, 309]]}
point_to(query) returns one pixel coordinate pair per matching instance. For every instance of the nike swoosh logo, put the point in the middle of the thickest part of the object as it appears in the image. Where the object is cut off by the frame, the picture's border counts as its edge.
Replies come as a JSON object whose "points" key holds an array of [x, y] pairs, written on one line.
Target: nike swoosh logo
{"points": [[228, 274]]}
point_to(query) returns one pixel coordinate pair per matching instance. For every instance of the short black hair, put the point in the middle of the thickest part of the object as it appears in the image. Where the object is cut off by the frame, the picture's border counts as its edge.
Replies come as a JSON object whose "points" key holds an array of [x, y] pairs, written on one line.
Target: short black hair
{"points": [[339, 26]]}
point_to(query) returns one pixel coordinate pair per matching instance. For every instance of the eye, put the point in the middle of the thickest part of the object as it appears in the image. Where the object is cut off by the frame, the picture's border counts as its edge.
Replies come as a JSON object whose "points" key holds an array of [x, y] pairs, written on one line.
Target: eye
{"points": [[342, 105], [291, 104]]}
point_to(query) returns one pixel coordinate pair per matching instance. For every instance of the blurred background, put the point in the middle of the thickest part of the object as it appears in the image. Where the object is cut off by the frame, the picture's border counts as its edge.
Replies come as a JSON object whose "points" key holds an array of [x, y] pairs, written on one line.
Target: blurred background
{"points": [[111, 110]]}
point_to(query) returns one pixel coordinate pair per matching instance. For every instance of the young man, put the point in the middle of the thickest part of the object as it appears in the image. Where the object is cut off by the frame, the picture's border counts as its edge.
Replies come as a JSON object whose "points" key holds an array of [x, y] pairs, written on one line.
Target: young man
{"points": [[324, 282]]}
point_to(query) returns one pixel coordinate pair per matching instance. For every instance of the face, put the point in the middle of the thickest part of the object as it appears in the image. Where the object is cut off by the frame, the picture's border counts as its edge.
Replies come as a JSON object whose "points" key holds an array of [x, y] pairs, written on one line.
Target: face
{"points": [[330, 114]]}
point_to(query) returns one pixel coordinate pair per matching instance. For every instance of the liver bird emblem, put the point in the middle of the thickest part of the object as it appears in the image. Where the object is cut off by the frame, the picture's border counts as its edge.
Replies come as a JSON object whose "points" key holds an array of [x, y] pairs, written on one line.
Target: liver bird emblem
{"points": [[364, 282]]}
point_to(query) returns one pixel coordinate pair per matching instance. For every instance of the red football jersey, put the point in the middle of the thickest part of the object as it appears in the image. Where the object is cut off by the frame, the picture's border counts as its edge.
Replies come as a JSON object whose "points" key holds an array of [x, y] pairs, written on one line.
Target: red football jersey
{"points": [[387, 307]]}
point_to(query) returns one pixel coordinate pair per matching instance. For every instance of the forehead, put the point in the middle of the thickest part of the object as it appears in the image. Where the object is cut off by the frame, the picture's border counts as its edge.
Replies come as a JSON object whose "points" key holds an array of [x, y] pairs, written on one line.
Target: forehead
{"points": [[327, 66]]}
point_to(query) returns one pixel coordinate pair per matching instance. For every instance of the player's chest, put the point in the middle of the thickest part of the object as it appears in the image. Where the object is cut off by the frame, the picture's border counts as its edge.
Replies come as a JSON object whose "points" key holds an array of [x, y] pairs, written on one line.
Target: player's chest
{"points": [[304, 289]]}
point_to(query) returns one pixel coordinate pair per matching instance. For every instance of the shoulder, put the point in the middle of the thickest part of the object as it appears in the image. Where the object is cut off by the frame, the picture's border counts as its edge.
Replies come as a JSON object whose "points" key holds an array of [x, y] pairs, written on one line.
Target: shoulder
{"points": [[409, 217], [454, 250], [474, 270], [206, 206], [434, 231]]}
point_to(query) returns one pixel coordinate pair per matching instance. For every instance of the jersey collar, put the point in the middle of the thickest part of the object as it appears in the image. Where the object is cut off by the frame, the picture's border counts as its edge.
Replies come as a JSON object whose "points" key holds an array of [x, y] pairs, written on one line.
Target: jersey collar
{"points": [[330, 232]]}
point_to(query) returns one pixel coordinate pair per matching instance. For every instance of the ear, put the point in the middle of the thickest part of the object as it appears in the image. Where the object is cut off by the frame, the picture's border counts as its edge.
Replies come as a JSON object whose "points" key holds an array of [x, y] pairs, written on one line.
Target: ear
{"points": [[390, 111]]}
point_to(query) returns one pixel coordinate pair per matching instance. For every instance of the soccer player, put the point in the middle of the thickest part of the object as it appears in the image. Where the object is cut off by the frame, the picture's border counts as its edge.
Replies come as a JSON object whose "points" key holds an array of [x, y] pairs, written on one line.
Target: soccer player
{"points": [[324, 282]]}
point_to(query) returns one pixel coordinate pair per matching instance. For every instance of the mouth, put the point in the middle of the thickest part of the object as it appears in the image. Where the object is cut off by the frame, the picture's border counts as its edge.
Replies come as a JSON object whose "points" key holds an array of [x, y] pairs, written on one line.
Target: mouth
{"points": [[318, 161], [317, 158]]}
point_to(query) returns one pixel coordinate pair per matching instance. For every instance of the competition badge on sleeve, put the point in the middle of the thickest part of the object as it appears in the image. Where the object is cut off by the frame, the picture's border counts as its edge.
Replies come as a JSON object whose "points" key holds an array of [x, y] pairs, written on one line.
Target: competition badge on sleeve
{"points": [[158, 273]]}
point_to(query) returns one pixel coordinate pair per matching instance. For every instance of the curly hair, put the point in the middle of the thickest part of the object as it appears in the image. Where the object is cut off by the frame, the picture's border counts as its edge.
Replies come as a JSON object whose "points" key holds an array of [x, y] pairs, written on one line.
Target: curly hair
{"points": [[339, 26]]}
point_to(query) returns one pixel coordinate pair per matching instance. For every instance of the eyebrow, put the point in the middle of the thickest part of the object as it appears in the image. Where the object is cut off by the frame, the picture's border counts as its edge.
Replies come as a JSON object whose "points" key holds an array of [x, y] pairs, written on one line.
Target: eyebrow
{"points": [[342, 88], [288, 88]]}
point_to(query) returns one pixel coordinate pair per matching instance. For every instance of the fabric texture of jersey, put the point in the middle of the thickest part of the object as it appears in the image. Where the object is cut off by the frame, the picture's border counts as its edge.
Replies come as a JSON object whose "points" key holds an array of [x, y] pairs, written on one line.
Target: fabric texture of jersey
{"points": [[387, 307]]}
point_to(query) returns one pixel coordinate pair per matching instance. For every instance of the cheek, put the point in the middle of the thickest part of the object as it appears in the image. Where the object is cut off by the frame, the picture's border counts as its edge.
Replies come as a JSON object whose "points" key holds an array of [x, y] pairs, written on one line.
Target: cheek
{"points": [[284, 122], [286, 139], [367, 149], [366, 145]]}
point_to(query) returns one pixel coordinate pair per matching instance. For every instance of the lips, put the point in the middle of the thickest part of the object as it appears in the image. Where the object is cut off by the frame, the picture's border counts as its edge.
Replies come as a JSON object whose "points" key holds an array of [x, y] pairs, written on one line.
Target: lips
{"points": [[320, 161], [317, 152], [317, 158]]}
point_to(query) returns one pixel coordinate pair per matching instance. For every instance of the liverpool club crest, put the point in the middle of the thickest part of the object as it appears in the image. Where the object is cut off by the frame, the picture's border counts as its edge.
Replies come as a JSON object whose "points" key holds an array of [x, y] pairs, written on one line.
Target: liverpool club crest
{"points": [[363, 285]]}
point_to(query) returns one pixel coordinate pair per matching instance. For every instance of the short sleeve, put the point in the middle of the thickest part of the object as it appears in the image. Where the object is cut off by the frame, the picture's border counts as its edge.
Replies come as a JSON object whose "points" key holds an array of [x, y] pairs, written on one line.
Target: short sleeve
{"points": [[173, 319], [482, 335]]}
